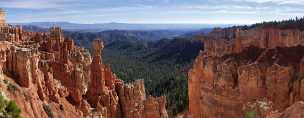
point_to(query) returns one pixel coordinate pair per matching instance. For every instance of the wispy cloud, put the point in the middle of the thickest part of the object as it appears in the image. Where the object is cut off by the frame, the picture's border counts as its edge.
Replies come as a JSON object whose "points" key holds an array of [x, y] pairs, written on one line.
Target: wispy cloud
{"points": [[192, 11], [30, 4]]}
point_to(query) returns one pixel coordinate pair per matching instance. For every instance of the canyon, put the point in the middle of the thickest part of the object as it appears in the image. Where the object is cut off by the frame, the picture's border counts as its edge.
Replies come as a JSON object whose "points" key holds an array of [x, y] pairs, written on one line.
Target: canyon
{"points": [[47, 75], [255, 72], [240, 73]]}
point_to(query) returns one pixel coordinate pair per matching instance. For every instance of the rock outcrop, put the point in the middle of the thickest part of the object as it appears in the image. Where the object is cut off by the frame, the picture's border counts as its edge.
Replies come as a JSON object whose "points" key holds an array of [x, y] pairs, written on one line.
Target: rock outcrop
{"points": [[2, 18], [243, 72], [49, 76], [135, 103], [294, 111]]}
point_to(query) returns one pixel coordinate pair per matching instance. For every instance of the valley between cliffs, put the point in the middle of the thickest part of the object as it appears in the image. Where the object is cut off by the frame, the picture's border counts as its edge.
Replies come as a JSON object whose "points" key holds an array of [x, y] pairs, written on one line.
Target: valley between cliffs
{"points": [[241, 73]]}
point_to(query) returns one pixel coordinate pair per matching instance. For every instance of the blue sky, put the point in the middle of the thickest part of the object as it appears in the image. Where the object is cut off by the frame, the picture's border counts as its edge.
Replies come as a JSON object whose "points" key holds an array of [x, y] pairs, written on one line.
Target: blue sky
{"points": [[152, 11]]}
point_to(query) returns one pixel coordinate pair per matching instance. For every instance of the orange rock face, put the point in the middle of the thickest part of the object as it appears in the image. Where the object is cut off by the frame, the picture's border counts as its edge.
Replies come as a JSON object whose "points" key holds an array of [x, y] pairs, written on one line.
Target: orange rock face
{"points": [[135, 104], [268, 38], [250, 71], [294, 111], [51, 75], [2, 18], [97, 84]]}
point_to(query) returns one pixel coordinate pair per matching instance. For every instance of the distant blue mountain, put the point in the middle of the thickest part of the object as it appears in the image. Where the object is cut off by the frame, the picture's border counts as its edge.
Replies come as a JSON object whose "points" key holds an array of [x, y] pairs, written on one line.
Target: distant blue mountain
{"points": [[121, 26]]}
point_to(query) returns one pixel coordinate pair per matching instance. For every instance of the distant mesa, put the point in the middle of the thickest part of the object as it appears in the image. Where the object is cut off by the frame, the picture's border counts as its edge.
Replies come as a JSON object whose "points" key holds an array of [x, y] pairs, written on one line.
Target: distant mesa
{"points": [[120, 26]]}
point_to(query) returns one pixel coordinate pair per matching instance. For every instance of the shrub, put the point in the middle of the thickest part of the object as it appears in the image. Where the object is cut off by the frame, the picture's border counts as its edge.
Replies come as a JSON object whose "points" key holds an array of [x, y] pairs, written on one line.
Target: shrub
{"points": [[251, 114], [13, 109], [48, 111], [5, 81], [8, 108], [11, 87]]}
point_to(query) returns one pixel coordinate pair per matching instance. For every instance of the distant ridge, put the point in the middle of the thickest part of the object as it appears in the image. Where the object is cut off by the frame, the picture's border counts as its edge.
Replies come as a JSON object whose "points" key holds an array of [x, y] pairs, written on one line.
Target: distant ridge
{"points": [[122, 26]]}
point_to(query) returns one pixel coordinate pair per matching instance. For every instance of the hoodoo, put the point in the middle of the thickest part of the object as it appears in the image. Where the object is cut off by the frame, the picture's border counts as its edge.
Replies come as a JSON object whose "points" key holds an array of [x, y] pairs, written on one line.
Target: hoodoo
{"points": [[2, 17], [49, 76]]}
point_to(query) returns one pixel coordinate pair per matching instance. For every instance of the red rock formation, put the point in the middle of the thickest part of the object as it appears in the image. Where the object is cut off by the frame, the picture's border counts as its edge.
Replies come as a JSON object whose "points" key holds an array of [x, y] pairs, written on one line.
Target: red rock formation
{"points": [[294, 111], [97, 84], [2, 18], [49, 74], [132, 97], [277, 87], [251, 82], [135, 104], [109, 77], [77, 87], [262, 38], [203, 99], [155, 107], [257, 70]]}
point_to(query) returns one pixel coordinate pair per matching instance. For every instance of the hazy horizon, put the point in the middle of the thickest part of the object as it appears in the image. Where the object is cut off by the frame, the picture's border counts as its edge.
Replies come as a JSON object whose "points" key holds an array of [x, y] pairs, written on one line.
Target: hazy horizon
{"points": [[124, 23], [152, 11]]}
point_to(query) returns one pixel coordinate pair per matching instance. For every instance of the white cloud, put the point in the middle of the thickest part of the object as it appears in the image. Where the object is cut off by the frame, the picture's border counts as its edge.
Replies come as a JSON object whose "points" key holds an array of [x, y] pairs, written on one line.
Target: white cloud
{"points": [[34, 4], [280, 2], [149, 10]]}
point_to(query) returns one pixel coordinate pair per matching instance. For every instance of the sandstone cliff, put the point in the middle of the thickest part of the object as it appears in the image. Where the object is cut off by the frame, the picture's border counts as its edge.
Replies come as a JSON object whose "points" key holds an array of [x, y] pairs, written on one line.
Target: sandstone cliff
{"points": [[249, 72], [49, 76]]}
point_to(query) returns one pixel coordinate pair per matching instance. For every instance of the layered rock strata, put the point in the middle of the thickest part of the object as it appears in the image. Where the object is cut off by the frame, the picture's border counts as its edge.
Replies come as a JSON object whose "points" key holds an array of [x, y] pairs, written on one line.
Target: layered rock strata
{"points": [[252, 72]]}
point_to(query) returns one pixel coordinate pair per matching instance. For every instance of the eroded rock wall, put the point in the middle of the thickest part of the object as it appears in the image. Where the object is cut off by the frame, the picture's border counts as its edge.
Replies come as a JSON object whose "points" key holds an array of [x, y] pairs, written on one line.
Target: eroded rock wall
{"points": [[135, 103], [50, 76], [252, 71]]}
